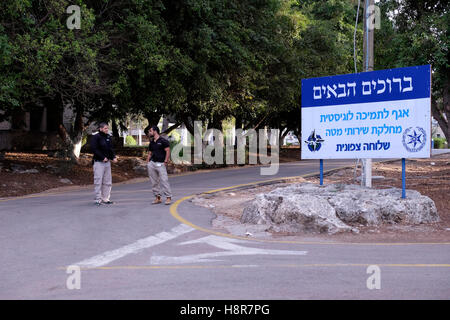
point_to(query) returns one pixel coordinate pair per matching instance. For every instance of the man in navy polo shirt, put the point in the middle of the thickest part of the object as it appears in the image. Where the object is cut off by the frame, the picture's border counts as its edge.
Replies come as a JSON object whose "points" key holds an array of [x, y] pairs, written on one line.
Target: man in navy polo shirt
{"points": [[157, 159]]}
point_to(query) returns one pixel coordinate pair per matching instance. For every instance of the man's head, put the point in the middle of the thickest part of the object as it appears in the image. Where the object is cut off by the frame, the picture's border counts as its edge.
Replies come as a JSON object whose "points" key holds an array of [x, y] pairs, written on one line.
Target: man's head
{"points": [[153, 131], [103, 127]]}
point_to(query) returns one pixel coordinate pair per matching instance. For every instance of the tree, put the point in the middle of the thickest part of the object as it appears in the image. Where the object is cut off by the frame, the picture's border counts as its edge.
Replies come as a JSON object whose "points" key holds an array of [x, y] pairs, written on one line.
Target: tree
{"points": [[206, 60], [56, 67], [317, 40], [417, 33], [87, 70]]}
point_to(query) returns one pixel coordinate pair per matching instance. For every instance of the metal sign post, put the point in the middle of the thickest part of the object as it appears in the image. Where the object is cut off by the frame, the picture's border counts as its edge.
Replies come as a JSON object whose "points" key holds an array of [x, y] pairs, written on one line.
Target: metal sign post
{"points": [[368, 66], [321, 172], [403, 178]]}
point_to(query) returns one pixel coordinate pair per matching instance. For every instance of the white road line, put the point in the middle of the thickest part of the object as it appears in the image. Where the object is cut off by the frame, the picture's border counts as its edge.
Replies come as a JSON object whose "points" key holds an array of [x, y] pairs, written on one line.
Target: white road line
{"points": [[109, 256], [232, 249]]}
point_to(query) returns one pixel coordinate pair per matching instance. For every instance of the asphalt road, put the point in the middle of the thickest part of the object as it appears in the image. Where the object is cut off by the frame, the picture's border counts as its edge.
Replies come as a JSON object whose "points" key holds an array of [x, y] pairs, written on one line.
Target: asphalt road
{"points": [[133, 250]]}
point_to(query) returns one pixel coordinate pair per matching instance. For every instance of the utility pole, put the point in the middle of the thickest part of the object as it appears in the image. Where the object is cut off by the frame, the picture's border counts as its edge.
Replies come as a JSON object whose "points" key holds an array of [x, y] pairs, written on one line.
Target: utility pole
{"points": [[368, 66]]}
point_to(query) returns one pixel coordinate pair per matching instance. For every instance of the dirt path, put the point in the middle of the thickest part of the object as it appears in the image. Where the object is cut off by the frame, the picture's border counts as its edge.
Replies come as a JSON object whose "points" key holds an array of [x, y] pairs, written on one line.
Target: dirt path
{"points": [[24, 173]]}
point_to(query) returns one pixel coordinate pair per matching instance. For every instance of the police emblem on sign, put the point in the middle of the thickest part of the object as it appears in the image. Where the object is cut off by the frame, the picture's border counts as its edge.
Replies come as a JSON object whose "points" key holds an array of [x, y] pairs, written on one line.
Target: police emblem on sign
{"points": [[314, 142], [414, 139]]}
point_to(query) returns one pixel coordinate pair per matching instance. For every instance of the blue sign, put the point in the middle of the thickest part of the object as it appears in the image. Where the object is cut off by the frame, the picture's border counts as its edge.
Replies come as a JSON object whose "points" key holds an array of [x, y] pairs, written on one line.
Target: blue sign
{"points": [[383, 85], [377, 114]]}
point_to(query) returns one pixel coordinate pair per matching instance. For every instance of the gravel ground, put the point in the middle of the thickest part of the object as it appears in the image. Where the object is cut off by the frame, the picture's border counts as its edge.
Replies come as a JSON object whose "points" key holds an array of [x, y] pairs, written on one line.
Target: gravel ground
{"points": [[431, 177]]}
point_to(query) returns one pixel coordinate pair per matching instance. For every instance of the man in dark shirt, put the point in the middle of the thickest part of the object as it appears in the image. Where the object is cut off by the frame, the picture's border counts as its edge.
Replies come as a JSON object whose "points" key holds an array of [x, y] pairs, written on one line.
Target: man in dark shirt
{"points": [[157, 159], [102, 148]]}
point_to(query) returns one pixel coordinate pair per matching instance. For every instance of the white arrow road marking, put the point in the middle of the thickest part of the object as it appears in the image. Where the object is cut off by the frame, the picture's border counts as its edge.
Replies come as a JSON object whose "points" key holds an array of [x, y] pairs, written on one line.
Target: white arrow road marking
{"points": [[221, 243], [109, 256]]}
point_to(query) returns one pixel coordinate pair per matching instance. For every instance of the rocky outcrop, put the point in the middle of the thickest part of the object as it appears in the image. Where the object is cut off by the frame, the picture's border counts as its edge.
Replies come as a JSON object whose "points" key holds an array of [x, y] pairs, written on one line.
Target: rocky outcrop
{"points": [[330, 209], [139, 166]]}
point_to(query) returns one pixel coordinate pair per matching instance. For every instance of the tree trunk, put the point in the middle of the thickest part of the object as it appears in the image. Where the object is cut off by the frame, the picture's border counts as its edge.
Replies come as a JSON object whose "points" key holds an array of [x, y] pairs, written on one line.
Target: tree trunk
{"points": [[260, 124], [298, 134], [283, 134], [72, 147], [439, 116], [442, 113], [446, 106], [171, 128], [115, 129], [153, 118], [72, 141], [237, 125], [238, 122], [189, 125], [165, 124], [77, 135]]}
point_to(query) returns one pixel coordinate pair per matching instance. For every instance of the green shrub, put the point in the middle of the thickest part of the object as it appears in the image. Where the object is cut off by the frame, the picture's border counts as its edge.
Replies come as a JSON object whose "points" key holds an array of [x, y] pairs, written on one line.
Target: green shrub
{"points": [[84, 140], [439, 143], [130, 141]]}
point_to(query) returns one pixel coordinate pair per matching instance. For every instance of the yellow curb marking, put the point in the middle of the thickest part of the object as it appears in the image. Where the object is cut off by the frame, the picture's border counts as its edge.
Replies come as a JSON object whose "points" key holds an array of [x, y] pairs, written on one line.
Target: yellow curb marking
{"points": [[176, 215]]}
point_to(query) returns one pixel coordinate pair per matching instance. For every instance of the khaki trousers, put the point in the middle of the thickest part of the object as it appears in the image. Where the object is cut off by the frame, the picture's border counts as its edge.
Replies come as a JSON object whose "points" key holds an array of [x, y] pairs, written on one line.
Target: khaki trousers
{"points": [[158, 177], [102, 180]]}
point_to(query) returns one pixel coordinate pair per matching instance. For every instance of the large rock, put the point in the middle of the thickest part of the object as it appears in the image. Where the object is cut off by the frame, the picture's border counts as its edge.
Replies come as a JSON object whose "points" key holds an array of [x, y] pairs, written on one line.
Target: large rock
{"points": [[334, 208], [373, 207], [293, 213], [140, 166]]}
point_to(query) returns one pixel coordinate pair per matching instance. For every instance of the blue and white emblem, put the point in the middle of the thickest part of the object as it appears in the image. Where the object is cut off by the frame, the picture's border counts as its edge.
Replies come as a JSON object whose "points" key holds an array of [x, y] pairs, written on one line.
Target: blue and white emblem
{"points": [[414, 139], [314, 141]]}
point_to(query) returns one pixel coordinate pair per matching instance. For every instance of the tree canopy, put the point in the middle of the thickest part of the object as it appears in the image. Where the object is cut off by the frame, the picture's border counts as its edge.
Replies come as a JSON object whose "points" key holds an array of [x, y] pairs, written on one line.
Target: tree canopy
{"points": [[207, 60]]}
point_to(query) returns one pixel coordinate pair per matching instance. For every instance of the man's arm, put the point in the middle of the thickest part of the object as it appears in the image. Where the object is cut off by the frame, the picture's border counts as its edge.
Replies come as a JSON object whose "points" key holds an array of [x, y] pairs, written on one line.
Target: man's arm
{"points": [[149, 156], [167, 150], [113, 154]]}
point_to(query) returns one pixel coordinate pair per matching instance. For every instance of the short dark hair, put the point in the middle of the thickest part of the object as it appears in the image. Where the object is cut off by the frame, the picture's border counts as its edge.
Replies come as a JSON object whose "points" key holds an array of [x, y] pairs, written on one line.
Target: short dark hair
{"points": [[155, 128], [102, 125]]}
